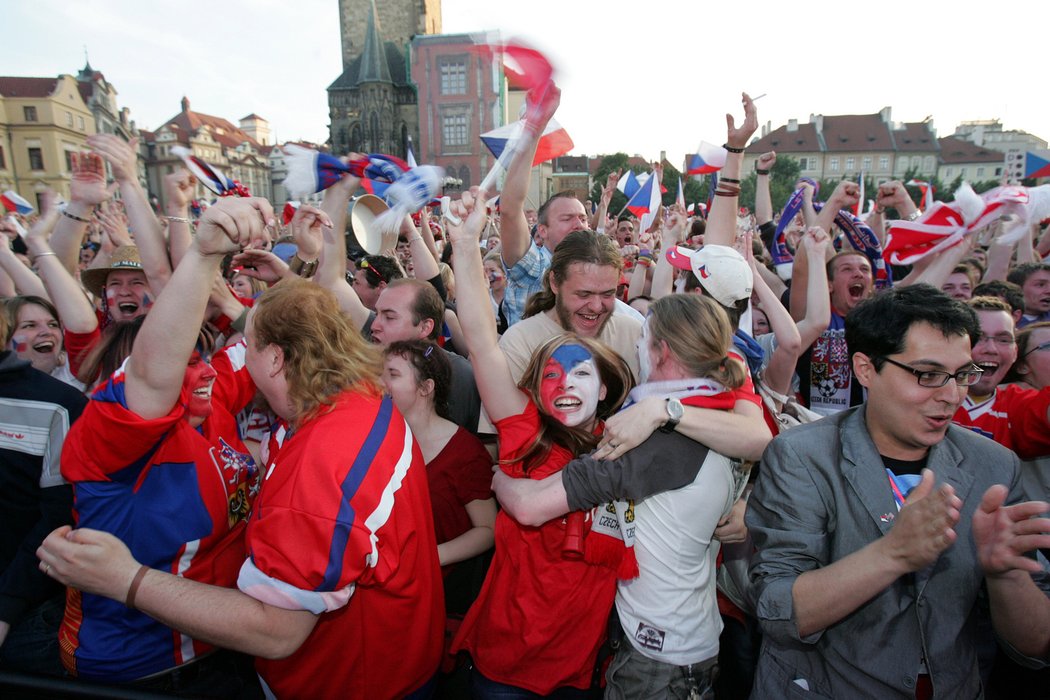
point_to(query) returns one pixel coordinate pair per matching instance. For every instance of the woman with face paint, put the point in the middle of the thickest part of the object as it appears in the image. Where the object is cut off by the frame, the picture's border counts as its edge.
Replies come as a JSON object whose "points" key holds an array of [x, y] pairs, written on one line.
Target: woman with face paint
{"points": [[156, 460], [541, 616], [36, 335]]}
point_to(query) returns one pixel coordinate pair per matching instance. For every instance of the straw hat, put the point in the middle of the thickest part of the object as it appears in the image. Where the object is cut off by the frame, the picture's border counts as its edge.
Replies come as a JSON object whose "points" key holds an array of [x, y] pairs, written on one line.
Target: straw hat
{"points": [[126, 257]]}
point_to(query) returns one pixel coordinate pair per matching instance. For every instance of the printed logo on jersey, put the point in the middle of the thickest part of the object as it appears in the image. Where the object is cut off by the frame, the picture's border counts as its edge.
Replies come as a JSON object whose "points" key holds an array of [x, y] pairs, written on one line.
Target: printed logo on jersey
{"points": [[650, 637], [240, 473]]}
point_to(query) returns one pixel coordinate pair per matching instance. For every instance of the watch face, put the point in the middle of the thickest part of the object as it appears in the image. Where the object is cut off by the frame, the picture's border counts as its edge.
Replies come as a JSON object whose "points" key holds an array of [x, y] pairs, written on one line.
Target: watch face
{"points": [[674, 409]]}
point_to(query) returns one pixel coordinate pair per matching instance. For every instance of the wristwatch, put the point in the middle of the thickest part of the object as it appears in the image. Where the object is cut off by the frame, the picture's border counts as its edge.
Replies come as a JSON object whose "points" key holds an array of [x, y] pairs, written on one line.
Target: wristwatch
{"points": [[674, 415], [300, 267]]}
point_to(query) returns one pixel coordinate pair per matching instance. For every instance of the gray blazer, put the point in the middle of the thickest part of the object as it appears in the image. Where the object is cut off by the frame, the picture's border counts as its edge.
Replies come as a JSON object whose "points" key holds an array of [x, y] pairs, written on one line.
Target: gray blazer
{"points": [[822, 494]]}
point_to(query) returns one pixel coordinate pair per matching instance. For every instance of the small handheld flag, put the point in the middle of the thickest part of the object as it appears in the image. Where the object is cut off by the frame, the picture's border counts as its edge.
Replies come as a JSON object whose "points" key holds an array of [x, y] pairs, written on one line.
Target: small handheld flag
{"points": [[708, 159], [14, 202], [210, 176]]}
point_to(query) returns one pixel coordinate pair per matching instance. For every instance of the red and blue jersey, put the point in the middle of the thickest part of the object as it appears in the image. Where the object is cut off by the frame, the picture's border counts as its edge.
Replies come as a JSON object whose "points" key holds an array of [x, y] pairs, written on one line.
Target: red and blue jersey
{"points": [[1014, 417], [177, 496], [343, 528]]}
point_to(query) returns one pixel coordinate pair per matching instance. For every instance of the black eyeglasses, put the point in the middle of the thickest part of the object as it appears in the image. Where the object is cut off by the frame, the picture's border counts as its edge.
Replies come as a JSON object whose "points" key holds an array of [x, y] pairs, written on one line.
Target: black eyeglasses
{"points": [[933, 378], [1043, 346]]}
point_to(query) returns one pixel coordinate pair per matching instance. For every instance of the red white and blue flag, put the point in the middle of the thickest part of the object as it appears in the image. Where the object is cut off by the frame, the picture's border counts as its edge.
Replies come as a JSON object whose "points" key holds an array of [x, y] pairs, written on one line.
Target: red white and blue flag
{"points": [[210, 176], [554, 141], [1037, 164], [926, 190], [14, 202], [709, 159]]}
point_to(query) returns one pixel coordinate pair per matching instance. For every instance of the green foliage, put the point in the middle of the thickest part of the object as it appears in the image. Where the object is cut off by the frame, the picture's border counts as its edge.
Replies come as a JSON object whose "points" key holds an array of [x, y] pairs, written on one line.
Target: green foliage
{"points": [[782, 180]]}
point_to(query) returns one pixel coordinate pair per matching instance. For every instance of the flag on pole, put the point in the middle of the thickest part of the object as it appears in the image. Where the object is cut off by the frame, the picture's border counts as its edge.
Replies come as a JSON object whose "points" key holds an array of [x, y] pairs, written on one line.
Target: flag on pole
{"points": [[926, 191], [708, 159], [410, 157], [14, 202], [554, 141], [628, 184], [680, 198], [642, 200], [859, 209]]}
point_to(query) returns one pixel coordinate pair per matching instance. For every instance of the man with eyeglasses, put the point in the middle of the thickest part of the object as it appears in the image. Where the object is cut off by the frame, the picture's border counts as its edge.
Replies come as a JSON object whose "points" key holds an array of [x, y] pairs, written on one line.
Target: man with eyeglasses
{"points": [[876, 528], [1013, 416]]}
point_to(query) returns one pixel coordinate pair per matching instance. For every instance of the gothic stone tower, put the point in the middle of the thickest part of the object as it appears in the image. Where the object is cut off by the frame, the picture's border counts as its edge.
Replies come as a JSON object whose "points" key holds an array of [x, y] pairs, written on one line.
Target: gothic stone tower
{"points": [[373, 104]]}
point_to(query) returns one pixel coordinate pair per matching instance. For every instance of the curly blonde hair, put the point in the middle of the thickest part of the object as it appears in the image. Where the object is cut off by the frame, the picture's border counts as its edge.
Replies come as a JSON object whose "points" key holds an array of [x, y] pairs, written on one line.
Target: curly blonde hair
{"points": [[324, 354]]}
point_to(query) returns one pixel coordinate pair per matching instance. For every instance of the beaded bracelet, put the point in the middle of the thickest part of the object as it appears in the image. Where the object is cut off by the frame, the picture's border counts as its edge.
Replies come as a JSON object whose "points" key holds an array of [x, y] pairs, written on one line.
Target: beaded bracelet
{"points": [[731, 149]]}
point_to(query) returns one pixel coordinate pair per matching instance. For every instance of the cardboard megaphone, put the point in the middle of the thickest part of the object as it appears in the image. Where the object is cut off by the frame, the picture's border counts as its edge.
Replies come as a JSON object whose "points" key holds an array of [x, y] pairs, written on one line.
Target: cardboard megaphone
{"points": [[363, 214]]}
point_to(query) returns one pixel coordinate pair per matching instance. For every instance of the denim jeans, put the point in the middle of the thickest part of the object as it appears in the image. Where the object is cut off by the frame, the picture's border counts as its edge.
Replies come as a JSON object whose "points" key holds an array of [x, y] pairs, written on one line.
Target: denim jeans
{"points": [[633, 676], [32, 644], [482, 688]]}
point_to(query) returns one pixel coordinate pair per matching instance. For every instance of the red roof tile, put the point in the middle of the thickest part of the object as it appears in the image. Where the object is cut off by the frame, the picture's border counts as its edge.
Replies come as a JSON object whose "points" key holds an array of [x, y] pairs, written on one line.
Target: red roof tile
{"points": [[230, 137], [956, 150], [804, 140], [27, 87]]}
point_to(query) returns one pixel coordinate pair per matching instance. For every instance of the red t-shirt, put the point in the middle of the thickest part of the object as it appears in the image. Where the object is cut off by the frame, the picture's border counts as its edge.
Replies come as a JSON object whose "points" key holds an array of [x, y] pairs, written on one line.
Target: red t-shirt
{"points": [[1013, 417], [540, 618], [345, 504], [459, 474]]}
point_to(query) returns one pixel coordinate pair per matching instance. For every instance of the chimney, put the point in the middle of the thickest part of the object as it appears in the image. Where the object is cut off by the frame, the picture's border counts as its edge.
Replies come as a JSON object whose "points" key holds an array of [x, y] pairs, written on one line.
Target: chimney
{"points": [[885, 115], [792, 125], [766, 128], [817, 120], [185, 104]]}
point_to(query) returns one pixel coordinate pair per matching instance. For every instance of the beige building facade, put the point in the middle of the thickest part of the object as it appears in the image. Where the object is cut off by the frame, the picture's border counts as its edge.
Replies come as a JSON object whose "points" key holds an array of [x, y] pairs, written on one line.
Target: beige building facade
{"points": [[42, 122]]}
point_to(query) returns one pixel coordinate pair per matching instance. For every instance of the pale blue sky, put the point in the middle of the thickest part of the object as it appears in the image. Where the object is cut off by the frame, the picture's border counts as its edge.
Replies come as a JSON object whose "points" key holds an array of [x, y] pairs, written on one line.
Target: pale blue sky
{"points": [[636, 77]]}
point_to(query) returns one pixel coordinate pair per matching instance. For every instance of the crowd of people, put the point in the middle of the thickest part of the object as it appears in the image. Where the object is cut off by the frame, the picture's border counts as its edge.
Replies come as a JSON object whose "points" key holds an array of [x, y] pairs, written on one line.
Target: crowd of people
{"points": [[526, 452]]}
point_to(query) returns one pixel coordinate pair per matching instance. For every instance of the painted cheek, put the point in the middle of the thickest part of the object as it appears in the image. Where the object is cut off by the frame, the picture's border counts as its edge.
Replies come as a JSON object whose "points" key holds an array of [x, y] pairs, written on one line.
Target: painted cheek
{"points": [[147, 301], [19, 344], [550, 386]]}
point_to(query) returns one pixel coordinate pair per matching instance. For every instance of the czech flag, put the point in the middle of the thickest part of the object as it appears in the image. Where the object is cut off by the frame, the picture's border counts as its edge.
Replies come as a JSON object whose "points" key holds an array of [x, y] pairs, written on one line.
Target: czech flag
{"points": [[554, 142], [1037, 164], [646, 199], [710, 159], [628, 184], [12, 201]]}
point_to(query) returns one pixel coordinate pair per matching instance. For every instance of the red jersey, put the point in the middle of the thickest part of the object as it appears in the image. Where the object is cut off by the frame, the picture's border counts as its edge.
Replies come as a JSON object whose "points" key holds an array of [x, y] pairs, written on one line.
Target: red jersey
{"points": [[540, 618], [343, 528], [1014, 417]]}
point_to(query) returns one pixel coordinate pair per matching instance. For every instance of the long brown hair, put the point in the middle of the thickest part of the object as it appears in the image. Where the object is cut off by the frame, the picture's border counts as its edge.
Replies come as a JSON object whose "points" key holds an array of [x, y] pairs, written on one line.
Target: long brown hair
{"points": [[323, 353], [615, 376]]}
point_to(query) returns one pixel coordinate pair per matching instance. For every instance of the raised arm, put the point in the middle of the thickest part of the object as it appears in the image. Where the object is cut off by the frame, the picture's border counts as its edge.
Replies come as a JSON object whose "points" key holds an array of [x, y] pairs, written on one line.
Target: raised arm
{"points": [[817, 317], [145, 227], [87, 189], [155, 369], [763, 201], [542, 103], [178, 192], [663, 275], [25, 282], [781, 364], [499, 393], [63, 289], [331, 270], [721, 222]]}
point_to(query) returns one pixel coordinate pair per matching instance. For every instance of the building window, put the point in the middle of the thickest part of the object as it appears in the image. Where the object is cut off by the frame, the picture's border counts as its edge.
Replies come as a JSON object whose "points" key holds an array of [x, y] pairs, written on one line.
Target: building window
{"points": [[850, 163], [453, 78], [884, 162], [803, 164], [29, 113], [454, 130], [36, 159], [69, 161], [927, 164], [833, 164], [3, 162], [464, 176], [80, 123], [980, 171], [866, 163], [69, 119], [998, 171], [947, 172]]}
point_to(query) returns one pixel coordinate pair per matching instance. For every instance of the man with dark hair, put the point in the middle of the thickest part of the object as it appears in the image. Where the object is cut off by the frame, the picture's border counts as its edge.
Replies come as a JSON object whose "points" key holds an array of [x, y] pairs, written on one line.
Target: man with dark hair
{"points": [[877, 527], [410, 309], [1034, 280], [372, 275], [1007, 291], [1014, 417]]}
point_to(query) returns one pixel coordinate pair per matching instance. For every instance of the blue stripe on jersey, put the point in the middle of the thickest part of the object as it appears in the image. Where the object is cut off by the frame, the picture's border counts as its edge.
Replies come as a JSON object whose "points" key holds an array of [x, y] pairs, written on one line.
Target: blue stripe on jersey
{"points": [[344, 521], [112, 391]]}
